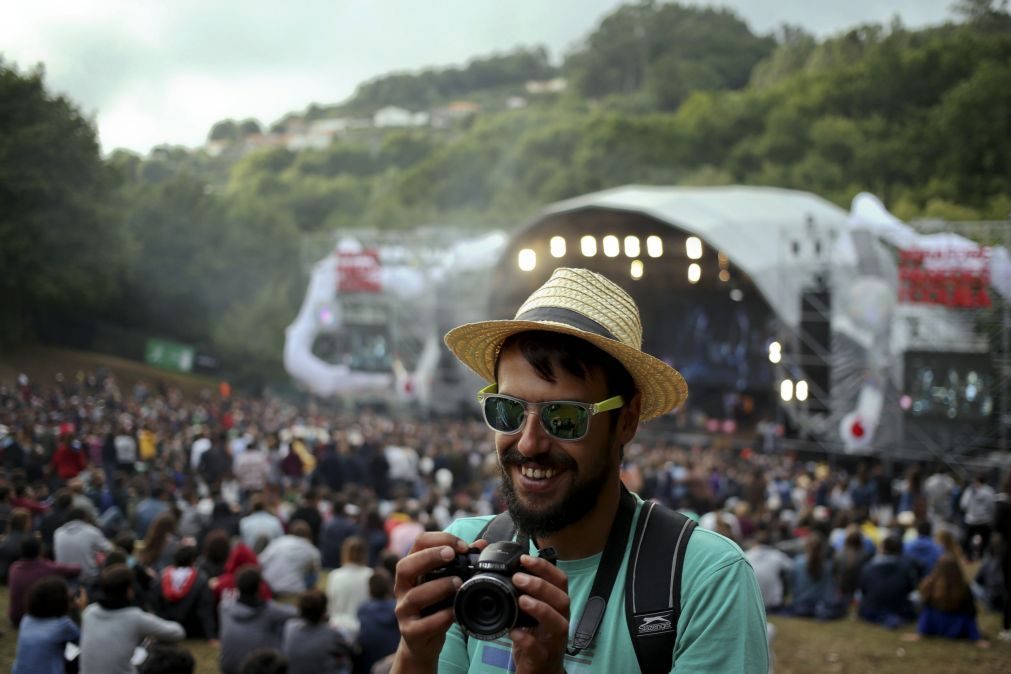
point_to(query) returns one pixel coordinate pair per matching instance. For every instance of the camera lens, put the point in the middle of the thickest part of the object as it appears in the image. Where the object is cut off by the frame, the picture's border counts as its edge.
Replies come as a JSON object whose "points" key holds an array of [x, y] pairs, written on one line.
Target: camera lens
{"points": [[486, 607]]}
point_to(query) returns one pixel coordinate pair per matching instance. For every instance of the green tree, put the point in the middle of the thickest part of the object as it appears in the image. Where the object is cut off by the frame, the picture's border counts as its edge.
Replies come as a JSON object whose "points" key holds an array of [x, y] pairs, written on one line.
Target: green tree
{"points": [[62, 245]]}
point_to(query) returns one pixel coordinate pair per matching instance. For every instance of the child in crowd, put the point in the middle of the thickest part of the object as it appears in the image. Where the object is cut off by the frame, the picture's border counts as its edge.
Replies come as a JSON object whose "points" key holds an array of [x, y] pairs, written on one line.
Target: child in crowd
{"points": [[46, 628]]}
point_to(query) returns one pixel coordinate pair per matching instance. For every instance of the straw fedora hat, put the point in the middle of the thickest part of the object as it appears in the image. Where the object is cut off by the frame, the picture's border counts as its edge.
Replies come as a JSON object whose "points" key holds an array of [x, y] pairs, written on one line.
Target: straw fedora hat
{"points": [[587, 305]]}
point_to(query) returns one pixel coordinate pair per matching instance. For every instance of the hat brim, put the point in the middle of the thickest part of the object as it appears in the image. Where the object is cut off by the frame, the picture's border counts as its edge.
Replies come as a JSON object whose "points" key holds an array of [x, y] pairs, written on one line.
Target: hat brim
{"points": [[477, 346]]}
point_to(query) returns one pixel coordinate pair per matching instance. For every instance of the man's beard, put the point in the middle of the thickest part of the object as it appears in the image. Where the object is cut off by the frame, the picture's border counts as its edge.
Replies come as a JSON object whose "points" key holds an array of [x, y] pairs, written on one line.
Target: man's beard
{"points": [[577, 502]]}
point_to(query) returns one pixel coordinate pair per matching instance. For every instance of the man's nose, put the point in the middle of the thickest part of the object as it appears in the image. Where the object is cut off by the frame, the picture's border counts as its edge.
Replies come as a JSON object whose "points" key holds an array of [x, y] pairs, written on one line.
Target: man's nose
{"points": [[533, 439]]}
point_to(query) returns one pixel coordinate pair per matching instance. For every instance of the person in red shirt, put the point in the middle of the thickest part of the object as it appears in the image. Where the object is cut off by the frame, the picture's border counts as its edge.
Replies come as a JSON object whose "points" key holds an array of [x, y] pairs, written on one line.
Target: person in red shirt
{"points": [[70, 458]]}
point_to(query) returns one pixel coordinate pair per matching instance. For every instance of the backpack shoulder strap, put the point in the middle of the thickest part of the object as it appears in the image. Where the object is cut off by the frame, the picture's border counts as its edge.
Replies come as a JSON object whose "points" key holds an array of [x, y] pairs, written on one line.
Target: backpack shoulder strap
{"points": [[658, 552]]}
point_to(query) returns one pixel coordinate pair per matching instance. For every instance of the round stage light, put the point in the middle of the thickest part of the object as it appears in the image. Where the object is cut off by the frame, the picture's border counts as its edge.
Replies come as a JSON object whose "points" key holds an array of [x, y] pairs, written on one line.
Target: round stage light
{"points": [[775, 357], [801, 390], [527, 259], [694, 273], [654, 246], [693, 248], [588, 245], [636, 270], [557, 246], [786, 390], [724, 275], [611, 245], [736, 295], [631, 246]]}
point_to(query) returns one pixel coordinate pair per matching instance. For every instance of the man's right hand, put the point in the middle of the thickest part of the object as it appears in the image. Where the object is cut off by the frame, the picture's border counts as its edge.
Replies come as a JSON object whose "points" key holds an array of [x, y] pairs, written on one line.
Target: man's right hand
{"points": [[422, 637]]}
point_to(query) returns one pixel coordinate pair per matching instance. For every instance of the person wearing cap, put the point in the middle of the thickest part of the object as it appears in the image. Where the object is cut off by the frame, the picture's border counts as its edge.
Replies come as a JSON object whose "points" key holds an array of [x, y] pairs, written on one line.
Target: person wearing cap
{"points": [[568, 385]]}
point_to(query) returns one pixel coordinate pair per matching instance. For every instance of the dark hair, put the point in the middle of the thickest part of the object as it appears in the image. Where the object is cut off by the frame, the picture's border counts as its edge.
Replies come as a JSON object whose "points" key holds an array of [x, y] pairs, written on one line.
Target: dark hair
{"points": [[125, 541], [301, 529], [78, 513], [116, 581], [544, 350], [264, 661], [163, 525], [185, 555], [312, 606], [164, 659], [247, 580], [48, 598], [814, 547], [20, 520], [891, 545], [924, 528], [114, 557], [64, 499], [217, 546], [31, 547], [379, 584]]}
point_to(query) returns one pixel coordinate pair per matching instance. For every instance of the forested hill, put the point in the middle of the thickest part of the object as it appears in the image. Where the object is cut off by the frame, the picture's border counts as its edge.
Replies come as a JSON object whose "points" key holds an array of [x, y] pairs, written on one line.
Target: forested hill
{"points": [[204, 246]]}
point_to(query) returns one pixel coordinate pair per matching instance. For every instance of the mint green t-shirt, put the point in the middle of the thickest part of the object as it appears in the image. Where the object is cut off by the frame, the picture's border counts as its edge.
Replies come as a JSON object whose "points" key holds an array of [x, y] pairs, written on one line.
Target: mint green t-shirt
{"points": [[722, 626]]}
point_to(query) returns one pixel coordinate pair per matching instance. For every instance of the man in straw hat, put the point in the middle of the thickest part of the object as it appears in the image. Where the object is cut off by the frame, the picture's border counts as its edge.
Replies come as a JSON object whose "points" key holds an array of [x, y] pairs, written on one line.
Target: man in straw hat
{"points": [[569, 384]]}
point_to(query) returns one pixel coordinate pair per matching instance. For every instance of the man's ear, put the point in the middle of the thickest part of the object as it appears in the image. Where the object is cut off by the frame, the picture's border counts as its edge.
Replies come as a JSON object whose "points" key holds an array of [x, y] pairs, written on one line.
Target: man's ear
{"points": [[628, 422]]}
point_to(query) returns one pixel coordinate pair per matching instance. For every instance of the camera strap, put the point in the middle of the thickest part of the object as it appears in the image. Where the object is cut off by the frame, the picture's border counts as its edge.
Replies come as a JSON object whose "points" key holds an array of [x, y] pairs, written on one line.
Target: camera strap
{"points": [[502, 528], [607, 572]]}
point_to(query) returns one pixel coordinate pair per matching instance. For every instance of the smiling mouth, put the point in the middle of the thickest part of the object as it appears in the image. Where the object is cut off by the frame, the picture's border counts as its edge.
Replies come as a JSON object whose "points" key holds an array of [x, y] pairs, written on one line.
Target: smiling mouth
{"points": [[534, 473]]}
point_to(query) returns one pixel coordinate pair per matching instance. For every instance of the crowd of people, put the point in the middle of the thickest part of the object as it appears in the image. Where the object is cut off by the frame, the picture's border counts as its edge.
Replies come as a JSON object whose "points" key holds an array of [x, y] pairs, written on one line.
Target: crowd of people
{"points": [[134, 519]]}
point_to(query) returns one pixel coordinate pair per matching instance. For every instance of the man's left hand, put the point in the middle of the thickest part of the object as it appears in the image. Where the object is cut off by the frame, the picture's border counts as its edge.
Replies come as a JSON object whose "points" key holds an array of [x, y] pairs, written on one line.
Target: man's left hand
{"points": [[545, 598]]}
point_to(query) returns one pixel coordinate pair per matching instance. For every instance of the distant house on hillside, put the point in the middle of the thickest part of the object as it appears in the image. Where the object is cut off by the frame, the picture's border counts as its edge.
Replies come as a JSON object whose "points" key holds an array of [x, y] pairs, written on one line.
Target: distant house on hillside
{"points": [[552, 86], [392, 117], [455, 111]]}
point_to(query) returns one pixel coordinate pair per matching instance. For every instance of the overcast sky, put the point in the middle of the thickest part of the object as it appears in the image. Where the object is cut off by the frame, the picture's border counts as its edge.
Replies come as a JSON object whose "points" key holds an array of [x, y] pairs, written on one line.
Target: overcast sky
{"points": [[164, 71]]}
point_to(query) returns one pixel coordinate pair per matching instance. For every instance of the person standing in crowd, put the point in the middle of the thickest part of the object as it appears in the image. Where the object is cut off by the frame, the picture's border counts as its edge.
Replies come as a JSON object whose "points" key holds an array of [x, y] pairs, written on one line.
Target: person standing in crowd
{"points": [[310, 645], [113, 627], [939, 490], [46, 628], [378, 633], [291, 563], [80, 542], [31, 568], [347, 587], [259, 527], [1002, 527], [252, 469], [69, 459], [59, 515], [977, 503], [309, 513], [577, 338], [247, 622]]}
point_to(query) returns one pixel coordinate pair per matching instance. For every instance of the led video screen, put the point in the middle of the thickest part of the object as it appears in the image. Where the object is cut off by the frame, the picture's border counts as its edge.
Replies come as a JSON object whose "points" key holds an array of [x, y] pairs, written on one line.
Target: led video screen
{"points": [[949, 385]]}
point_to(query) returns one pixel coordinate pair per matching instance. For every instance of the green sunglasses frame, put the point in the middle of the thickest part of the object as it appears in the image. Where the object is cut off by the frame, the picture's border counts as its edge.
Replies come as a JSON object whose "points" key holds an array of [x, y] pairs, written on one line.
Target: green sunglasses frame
{"points": [[592, 409]]}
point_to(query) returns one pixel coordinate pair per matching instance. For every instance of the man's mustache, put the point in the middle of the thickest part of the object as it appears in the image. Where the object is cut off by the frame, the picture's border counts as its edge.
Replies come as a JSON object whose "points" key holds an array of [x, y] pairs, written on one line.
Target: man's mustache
{"points": [[512, 457]]}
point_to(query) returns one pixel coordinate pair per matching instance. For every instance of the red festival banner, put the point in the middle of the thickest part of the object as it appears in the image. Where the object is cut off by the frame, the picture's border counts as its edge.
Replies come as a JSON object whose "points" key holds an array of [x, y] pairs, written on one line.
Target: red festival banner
{"points": [[359, 272], [950, 277]]}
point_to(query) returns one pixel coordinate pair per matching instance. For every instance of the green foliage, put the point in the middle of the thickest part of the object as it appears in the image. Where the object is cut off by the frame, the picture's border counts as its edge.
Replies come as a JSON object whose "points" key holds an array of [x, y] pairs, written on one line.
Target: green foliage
{"points": [[61, 243]]}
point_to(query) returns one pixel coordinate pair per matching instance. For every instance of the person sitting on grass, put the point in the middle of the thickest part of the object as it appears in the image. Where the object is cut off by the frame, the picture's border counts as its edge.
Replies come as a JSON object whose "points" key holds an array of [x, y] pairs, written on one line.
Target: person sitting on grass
{"points": [[248, 622], [46, 629], [162, 659], [949, 609], [183, 595], [310, 644], [885, 585], [113, 627]]}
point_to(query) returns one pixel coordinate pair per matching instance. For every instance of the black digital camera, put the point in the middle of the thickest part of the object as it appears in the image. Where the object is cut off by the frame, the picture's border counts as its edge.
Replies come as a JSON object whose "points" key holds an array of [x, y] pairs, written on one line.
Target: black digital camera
{"points": [[486, 605]]}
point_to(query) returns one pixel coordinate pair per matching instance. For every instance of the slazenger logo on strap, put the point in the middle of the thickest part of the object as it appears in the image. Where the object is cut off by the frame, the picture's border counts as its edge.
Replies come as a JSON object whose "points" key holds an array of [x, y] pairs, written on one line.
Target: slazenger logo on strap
{"points": [[655, 623]]}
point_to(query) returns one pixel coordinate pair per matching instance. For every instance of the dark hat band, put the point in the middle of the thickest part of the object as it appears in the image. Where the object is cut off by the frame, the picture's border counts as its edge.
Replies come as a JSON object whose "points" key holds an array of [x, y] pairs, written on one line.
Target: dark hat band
{"points": [[567, 317]]}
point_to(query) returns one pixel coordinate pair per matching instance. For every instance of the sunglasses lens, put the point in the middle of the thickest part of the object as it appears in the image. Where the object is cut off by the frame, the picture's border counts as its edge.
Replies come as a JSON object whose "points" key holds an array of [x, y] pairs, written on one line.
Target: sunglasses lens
{"points": [[502, 414], [564, 421]]}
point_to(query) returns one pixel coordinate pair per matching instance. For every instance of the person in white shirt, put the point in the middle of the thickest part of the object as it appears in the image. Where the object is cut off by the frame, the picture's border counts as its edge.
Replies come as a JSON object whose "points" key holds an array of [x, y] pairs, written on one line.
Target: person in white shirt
{"points": [[291, 563], [772, 568], [347, 588], [977, 503], [79, 542]]}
